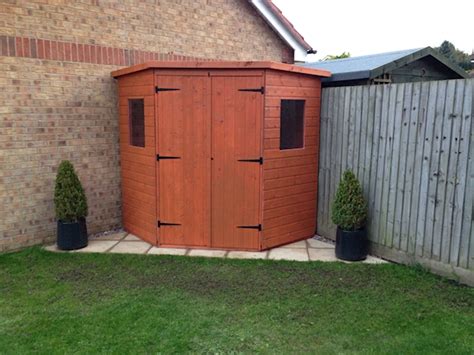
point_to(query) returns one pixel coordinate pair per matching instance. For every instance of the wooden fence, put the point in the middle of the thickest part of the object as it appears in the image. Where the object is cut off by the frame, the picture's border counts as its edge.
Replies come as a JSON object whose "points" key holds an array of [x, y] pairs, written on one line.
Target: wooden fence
{"points": [[412, 147]]}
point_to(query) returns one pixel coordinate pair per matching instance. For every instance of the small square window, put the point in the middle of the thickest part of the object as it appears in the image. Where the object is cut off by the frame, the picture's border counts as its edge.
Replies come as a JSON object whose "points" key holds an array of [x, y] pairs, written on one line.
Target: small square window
{"points": [[291, 124], [136, 116]]}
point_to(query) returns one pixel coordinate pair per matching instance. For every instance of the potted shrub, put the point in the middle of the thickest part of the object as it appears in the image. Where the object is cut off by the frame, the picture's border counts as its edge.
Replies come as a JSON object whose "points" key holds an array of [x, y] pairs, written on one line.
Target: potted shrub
{"points": [[71, 209], [349, 213]]}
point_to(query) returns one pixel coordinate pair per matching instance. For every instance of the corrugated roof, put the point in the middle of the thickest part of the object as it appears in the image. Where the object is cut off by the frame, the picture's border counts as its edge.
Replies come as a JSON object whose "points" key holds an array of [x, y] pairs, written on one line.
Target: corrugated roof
{"points": [[360, 64]]}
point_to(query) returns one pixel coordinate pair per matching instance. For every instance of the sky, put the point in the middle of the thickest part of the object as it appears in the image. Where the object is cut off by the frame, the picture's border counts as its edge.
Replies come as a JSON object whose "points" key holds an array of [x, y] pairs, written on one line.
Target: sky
{"points": [[369, 26]]}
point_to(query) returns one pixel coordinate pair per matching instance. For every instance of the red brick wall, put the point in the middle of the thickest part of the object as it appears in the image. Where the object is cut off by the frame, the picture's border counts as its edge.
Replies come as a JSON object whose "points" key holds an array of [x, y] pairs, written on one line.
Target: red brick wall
{"points": [[59, 101]]}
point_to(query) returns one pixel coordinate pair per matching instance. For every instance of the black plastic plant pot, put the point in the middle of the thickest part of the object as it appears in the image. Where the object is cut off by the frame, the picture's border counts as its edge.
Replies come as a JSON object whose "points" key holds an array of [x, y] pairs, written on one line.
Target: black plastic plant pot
{"points": [[72, 235], [352, 245]]}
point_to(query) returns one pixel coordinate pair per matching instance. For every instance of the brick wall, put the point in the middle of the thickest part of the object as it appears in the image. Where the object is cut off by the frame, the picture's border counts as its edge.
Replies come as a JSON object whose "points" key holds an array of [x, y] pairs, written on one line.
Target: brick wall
{"points": [[59, 101]]}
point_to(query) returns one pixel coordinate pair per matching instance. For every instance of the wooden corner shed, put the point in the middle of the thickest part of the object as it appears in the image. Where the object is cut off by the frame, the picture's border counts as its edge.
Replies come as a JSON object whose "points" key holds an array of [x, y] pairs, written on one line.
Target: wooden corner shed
{"points": [[219, 154]]}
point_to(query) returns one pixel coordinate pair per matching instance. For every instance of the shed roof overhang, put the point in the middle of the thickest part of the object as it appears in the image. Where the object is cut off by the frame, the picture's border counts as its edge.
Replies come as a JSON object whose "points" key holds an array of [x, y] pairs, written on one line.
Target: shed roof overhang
{"points": [[220, 65]]}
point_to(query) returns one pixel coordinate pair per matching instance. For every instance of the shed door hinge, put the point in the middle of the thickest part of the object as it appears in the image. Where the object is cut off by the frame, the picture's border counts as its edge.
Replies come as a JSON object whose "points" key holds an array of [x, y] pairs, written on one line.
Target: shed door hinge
{"points": [[258, 226], [164, 157], [258, 160], [160, 224], [158, 89], [261, 90]]}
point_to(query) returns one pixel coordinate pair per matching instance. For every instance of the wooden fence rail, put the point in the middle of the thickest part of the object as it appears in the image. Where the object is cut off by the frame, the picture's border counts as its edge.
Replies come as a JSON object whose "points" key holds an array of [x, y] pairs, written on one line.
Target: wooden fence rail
{"points": [[412, 147]]}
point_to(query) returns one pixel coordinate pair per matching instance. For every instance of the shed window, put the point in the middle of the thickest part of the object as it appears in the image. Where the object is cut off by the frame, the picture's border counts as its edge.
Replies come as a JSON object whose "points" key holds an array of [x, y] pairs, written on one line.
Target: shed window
{"points": [[291, 124], [136, 116]]}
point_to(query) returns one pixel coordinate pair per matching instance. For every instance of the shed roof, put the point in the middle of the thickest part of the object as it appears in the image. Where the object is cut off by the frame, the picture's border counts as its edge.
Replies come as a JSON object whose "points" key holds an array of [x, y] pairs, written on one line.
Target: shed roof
{"points": [[371, 66], [220, 65]]}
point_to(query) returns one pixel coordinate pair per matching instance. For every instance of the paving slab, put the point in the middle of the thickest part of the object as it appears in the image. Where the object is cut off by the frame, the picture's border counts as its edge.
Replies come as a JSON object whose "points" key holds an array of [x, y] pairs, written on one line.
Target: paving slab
{"points": [[97, 246], [111, 236], [300, 245], [314, 243], [247, 255], [167, 251], [132, 238], [374, 260], [322, 254], [298, 254], [54, 248], [131, 247], [208, 253]]}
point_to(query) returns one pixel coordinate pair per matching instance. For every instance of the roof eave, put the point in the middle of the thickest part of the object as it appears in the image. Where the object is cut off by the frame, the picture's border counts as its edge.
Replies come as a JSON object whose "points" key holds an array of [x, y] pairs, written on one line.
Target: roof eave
{"points": [[283, 28], [357, 75], [220, 65]]}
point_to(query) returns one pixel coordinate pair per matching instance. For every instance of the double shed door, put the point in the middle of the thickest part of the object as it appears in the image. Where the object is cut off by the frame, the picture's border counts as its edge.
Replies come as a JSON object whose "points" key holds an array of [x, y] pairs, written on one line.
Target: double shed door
{"points": [[209, 173]]}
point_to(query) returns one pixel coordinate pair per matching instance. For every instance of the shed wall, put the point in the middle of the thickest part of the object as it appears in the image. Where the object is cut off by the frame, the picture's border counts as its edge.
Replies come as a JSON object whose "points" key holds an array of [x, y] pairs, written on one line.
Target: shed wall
{"points": [[424, 69], [290, 176], [138, 164]]}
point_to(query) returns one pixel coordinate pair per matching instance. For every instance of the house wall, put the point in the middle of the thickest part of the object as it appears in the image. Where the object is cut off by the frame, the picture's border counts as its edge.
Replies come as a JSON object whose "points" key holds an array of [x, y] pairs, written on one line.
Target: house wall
{"points": [[59, 101], [290, 177]]}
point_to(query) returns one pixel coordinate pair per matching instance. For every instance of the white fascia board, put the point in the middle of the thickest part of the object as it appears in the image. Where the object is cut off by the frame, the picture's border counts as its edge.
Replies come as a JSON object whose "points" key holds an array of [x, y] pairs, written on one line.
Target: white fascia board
{"points": [[275, 23]]}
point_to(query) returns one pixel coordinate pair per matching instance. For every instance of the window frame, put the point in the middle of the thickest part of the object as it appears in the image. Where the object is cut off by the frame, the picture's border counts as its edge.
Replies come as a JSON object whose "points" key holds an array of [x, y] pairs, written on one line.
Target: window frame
{"points": [[304, 99], [129, 112]]}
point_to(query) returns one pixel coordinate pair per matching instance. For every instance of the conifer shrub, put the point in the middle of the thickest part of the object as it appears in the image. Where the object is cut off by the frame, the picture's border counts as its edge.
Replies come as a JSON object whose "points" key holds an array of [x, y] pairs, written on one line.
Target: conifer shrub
{"points": [[349, 210], [69, 198]]}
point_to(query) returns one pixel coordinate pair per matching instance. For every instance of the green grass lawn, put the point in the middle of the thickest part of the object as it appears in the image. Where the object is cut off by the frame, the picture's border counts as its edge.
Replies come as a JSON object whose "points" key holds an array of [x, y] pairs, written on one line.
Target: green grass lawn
{"points": [[89, 303]]}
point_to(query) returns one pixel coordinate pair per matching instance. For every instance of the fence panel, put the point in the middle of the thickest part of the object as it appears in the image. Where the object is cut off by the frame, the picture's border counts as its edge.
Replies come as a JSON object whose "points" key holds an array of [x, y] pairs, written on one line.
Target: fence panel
{"points": [[412, 147]]}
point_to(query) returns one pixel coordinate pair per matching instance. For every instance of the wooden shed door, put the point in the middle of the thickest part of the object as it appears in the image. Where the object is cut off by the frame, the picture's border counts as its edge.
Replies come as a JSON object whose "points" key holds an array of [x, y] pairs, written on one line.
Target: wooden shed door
{"points": [[237, 110], [184, 162]]}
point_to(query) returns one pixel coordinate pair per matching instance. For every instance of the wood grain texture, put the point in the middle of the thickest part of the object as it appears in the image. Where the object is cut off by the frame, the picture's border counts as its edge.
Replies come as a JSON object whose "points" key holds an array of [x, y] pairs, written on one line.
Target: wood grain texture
{"points": [[184, 131], [290, 180], [412, 147], [210, 125], [219, 65], [236, 185], [138, 164]]}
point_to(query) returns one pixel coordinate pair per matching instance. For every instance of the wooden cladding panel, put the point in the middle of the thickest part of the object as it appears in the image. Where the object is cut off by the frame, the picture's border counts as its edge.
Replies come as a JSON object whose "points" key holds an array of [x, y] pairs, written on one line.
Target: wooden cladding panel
{"points": [[290, 176], [138, 163]]}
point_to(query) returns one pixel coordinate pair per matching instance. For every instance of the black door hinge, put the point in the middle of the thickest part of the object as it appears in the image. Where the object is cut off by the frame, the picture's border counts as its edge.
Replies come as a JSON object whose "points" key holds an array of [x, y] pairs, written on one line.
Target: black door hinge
{"points": [[160, 224], [158, 89], [261, 90], [164, 157], [258, 226], [258, 160]]}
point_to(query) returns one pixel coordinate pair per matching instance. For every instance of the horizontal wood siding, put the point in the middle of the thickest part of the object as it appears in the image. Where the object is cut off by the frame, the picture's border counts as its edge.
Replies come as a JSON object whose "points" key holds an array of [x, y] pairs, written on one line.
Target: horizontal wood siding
{"points": [[289, 176], [412, 147], [138, 164]]}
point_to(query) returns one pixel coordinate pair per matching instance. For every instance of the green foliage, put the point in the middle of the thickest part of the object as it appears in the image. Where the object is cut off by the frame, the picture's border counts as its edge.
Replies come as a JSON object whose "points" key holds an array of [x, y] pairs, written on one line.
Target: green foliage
{"points": [[69, 198], [349, 210], [336, 56], [455, 55]]}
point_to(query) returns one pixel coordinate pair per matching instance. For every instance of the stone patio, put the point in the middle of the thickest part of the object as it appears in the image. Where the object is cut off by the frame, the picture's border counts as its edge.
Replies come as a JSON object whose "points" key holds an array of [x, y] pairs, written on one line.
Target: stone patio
{"points": [[312, 249]]}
